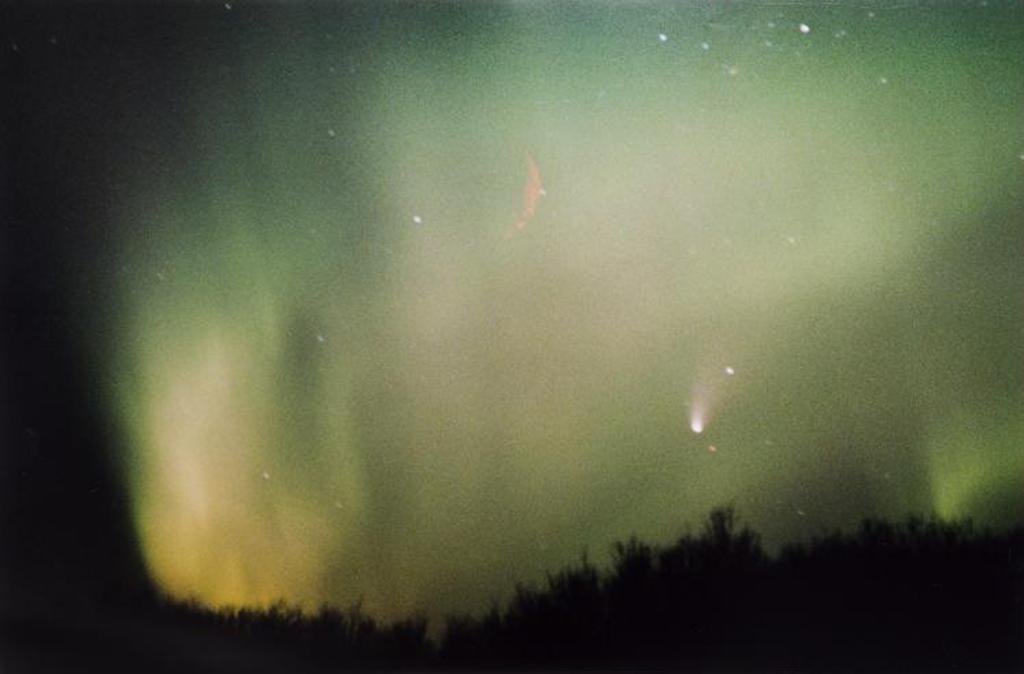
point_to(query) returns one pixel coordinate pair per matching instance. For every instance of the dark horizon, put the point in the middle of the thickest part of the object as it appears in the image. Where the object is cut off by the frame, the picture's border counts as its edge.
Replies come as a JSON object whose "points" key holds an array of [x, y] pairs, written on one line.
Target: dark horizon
{"points": [[915, 596]]}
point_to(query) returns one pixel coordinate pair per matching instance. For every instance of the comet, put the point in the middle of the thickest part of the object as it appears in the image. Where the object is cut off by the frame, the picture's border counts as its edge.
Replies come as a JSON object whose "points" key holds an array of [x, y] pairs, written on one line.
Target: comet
{"points": [[697, 417]]}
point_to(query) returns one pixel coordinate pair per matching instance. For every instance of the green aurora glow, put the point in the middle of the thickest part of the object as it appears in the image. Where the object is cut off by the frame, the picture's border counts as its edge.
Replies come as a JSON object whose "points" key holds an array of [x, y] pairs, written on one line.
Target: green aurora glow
{"points": [[328, 401]]}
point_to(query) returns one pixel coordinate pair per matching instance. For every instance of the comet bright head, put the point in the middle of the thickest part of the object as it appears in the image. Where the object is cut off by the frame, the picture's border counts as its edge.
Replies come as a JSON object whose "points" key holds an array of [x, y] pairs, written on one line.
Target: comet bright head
{"points": [[698, 412]]}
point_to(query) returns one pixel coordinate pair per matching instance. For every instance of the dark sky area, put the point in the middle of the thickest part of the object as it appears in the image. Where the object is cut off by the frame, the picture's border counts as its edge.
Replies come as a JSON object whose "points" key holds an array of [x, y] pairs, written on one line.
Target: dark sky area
{"points": [[407, 303]]}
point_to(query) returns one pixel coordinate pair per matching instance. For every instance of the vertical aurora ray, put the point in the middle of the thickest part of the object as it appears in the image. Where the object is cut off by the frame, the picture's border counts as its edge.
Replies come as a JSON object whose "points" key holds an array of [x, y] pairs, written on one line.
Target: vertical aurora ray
{"points": [[341, 379]]}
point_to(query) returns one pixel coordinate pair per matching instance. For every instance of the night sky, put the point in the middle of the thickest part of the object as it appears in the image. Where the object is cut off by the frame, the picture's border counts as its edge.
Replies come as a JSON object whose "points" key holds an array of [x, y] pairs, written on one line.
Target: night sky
{"points": [[407, 303]]}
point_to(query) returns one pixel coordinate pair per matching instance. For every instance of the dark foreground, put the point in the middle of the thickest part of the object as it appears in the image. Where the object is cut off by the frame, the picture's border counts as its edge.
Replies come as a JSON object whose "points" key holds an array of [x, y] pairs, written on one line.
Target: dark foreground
{"points": [[921, 596]]}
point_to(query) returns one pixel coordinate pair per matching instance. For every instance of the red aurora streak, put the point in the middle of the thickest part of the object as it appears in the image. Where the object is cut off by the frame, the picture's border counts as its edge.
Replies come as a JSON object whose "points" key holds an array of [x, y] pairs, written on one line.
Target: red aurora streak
{"points": [[532, 192]]}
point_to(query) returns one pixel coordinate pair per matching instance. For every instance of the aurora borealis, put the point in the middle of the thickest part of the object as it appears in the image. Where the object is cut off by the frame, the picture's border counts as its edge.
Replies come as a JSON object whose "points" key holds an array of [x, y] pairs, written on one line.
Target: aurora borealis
{"points": [[359, 353]]}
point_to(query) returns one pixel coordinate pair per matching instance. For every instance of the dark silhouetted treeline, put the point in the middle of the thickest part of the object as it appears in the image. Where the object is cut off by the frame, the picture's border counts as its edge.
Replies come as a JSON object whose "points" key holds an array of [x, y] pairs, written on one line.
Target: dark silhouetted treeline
{"points": [[919, 596], [924, 595], [329, 637]]}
